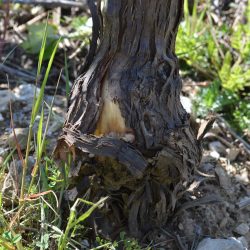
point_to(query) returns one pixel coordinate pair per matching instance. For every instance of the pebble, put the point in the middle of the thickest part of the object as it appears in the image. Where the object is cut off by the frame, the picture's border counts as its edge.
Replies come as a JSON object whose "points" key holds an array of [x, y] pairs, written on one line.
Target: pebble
{"points": [[22, 137], [217, 147], [243, 240], [242, 229], [215, 155], [243, 177], [232, 153], [5, 97], [25, 92], [181, 227], [224, 179], [186, 103], [220, 244], [1, 117]]}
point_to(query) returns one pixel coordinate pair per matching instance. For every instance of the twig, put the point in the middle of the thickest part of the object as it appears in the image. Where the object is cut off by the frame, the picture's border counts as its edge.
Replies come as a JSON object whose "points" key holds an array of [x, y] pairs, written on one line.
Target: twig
{"points": [[51, 3], [225, 142], [15, 72], [23, 27], [233, 133], [209, 199]]}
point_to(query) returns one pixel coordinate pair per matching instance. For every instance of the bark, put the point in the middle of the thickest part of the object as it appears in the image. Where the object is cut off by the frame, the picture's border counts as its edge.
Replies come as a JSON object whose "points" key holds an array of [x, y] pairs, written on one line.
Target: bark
{"points": [[125, 109]]}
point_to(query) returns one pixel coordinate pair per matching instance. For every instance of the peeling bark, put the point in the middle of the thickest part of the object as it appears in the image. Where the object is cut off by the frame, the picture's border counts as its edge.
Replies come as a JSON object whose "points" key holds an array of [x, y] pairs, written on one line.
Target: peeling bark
{"points": [[132, 87]]}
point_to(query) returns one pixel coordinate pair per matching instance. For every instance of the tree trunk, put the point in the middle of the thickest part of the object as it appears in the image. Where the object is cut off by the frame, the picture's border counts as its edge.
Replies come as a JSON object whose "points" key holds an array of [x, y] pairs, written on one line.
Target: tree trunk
{"points": [[126, 111]]}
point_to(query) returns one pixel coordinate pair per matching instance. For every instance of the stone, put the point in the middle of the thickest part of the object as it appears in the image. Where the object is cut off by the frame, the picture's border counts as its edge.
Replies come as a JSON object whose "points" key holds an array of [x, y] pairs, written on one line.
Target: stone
{"points": [[5, 97], [25, 92], [1, 118], [22, 137], [243, 240], [224, 179], [186, 103], [220, 244], [215, 155], [218, 147], [70, 195], [242, 229], [232, 153], [243, 177]]}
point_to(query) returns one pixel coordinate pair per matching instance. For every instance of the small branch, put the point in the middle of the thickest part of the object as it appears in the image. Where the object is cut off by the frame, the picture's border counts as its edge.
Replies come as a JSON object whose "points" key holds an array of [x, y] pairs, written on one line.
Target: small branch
{"points": [[50, 3], [16, 72], [234, 134], [23, 27]]}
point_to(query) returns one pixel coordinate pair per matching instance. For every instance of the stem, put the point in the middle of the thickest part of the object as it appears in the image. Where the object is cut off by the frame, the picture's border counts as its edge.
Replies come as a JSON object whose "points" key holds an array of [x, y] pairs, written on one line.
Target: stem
{"points": [[72, 216], [25, 164]]}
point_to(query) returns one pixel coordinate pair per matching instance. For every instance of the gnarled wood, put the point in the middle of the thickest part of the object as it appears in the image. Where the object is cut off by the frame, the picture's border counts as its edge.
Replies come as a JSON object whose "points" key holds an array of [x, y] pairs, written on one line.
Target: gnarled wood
{"points": [[132, 90]]}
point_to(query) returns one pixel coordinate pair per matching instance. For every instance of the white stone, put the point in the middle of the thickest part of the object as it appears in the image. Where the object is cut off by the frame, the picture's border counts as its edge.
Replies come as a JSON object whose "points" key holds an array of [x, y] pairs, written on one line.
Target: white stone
{"points": [[215, 155], [242, 229], [25, 92], [186, 103], [243, 240], [220, 244]]}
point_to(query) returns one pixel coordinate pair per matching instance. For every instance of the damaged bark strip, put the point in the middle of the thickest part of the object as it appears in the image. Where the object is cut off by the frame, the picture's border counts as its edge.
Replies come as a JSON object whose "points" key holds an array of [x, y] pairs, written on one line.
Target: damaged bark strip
{"points": [[126, 108]]}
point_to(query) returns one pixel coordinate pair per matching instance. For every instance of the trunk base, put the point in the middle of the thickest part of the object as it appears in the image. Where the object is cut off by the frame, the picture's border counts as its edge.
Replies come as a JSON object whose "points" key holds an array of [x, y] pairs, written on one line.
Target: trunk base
{"points": [[142, 192]]}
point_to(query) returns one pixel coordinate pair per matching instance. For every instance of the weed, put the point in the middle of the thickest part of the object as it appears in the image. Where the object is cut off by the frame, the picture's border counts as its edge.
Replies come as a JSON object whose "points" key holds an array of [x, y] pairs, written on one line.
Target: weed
{"points": [[221, 55]]}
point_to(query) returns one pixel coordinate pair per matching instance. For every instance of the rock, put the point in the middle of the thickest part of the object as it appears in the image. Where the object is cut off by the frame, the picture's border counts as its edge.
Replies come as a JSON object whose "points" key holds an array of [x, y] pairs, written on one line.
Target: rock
{"points": [[217, 147], [22, 137], [186, 103], [220, 244], [4, 152], [12, 181], [224, 179], [215, 155], [56, 124], [25, 92], [242, 229], [1, 117], [232, 153], [242, 177], [207, 167], [243, 240], [180, 226], [70, 195], [244, 203], [5, 97]]}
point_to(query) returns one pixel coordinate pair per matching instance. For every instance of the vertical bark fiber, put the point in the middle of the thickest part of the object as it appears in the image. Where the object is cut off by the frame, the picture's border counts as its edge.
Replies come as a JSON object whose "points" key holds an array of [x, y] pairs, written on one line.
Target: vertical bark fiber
{"points": [[126, 107]]}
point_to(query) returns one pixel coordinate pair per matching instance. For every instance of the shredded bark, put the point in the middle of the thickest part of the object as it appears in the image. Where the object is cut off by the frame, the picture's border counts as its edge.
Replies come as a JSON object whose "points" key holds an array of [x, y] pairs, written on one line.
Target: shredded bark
{"points": [[135, 61]]}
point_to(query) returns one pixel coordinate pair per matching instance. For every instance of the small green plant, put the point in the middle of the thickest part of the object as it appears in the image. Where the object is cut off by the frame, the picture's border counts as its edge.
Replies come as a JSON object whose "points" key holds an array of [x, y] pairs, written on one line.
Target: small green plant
{"points": [[74, 221], [32, 44], [9, 240], [227, 70]]}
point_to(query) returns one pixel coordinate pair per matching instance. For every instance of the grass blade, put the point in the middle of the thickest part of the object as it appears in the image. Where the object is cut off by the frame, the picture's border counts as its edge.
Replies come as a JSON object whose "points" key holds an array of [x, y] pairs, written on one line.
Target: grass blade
{"points": [[41, 93]]}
